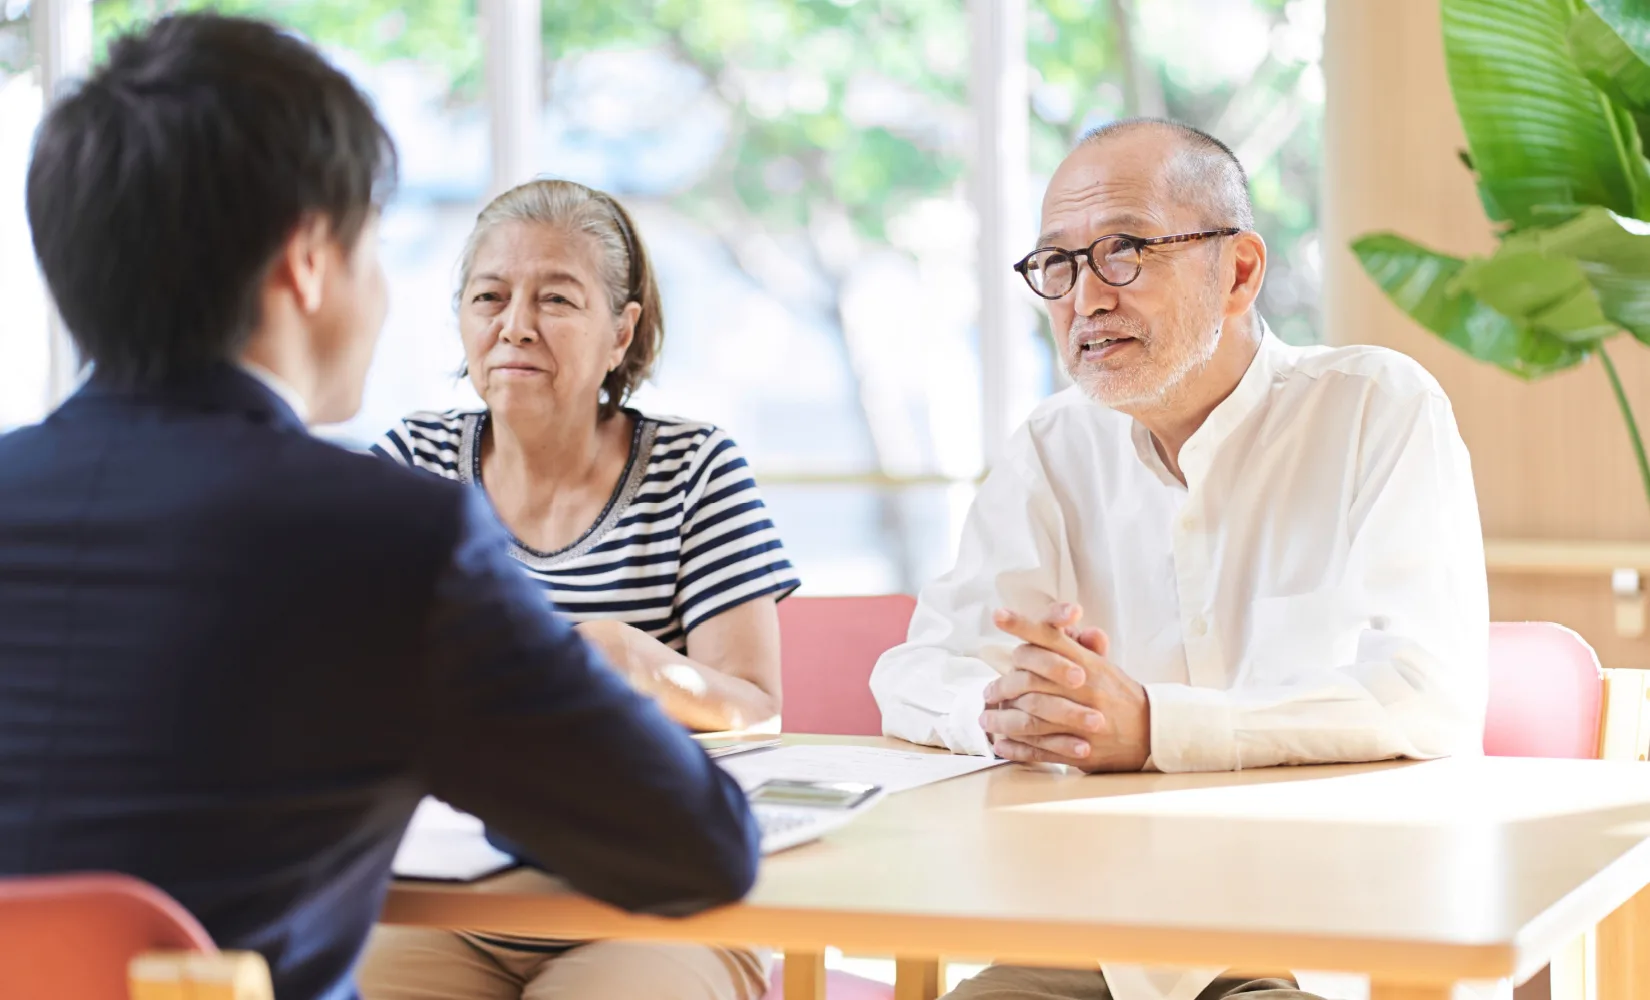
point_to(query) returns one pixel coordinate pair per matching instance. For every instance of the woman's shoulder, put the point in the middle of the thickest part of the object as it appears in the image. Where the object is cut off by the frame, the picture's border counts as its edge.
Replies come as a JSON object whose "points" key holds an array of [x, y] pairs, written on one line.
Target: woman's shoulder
{"points": [[435, 423], [428, 438], [680, 437], [694, 456], [667, 427]]}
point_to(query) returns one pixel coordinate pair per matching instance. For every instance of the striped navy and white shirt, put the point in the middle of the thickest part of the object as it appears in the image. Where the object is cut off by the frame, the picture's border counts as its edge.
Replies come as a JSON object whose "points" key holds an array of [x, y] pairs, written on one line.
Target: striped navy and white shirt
{"points": [[684, 537]]}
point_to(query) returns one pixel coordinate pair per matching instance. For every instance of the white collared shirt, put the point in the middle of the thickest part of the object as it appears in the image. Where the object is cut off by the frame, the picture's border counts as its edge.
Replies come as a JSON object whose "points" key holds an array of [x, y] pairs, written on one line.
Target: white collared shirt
{"points": [[1315, 592], [279, 386]]}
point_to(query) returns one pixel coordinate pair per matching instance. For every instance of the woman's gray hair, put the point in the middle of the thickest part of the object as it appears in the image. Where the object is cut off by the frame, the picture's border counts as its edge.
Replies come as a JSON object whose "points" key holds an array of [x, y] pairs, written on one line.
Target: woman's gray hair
{"points": [[624, 266]]}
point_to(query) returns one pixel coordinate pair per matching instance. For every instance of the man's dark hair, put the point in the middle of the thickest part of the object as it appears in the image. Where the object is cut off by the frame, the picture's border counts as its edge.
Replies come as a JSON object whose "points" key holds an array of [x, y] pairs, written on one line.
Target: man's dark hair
{"points": [[1206, 173], [161, 190]]}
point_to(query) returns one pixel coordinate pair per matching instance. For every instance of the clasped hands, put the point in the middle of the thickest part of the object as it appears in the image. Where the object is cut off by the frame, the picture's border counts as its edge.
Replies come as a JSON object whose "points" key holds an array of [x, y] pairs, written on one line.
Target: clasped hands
{"points": [[1065, 702]]}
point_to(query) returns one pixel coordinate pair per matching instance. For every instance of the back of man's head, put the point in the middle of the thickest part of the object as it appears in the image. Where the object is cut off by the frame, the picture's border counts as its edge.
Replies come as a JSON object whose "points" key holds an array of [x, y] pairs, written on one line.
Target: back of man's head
{"points": [[161, 190], [1203, 171]]}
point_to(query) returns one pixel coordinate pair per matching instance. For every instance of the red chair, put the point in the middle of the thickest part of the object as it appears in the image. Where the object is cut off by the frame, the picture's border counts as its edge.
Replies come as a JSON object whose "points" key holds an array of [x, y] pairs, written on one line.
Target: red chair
{"points": [[86, 936], [828, 646], [1546, 693], [1549, 697]]}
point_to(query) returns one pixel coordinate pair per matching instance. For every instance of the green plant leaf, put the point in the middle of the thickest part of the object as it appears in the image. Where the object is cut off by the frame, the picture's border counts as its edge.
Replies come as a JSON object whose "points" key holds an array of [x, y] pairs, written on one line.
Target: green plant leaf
{"points": [[1608, 61], [1543, 139], [1609, 41], [1629, 20], [1614, 256], [1425, 285], [1550, 294]]}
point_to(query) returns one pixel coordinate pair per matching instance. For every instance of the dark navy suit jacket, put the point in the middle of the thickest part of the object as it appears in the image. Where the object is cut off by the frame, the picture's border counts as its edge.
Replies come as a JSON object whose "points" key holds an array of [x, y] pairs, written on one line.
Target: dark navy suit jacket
{"points": [[233, 658]]}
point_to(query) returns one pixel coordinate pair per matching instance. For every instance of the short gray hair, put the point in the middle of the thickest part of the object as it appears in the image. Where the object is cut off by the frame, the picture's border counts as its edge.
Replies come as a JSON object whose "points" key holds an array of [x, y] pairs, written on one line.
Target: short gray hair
{"points": [[624, 266], [1205, 173]]}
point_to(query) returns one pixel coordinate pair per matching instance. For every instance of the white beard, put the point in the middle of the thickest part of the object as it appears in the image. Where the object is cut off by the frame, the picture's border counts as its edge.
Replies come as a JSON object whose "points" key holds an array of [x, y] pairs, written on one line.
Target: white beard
{"points": [[1121, 396]]}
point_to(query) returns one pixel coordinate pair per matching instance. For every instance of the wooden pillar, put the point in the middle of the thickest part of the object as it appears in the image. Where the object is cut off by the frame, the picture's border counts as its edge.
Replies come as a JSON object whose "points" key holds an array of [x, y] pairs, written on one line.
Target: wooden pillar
{"points": [[1551, 458]]}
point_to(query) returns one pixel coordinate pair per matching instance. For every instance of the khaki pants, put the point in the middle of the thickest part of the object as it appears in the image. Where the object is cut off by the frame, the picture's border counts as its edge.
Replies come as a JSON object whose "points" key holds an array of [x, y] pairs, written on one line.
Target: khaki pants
{"points": [[1012, 982], [417, 963]]}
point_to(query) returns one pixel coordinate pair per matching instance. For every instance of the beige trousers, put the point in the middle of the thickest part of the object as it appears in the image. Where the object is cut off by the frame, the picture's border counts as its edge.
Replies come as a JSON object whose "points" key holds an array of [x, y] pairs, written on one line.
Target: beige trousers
{"points": [[1013, 982], [418, 963]]}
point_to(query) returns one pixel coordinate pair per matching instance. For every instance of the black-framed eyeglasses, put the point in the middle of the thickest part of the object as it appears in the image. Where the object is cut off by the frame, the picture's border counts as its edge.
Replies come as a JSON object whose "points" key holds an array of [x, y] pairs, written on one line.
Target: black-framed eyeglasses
{"points": [[1115, 259]]}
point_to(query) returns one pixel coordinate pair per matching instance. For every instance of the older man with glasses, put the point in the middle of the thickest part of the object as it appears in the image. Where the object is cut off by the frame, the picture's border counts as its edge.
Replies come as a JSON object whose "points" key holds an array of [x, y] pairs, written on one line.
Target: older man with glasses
{"points": [[1215, 551]]}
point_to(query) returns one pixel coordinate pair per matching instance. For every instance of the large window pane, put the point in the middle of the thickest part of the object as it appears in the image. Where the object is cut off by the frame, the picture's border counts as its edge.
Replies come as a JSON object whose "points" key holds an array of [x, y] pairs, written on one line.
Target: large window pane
{"points": [[798, 169], [24, 350], [852, 539], [421, 64]]}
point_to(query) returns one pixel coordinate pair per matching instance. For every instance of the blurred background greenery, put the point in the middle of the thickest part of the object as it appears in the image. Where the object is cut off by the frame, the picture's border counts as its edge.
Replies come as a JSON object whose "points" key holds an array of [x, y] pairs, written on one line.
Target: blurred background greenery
{"points": [[799, 168]]}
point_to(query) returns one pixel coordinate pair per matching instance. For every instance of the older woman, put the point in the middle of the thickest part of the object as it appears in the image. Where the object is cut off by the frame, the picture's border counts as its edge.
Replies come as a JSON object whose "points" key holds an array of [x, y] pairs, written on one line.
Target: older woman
{"points": [[646, 531]]}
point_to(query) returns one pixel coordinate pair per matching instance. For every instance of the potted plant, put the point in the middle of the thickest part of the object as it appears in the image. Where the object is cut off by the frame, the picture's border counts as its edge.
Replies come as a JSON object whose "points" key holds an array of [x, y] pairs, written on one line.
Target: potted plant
{"points": [[1554, 96]]}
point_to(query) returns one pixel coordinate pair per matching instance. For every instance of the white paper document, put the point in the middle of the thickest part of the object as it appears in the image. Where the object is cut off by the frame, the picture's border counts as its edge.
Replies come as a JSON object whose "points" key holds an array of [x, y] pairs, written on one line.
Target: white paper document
{"points": [[714, 750], [445, 844], [894, 770]]}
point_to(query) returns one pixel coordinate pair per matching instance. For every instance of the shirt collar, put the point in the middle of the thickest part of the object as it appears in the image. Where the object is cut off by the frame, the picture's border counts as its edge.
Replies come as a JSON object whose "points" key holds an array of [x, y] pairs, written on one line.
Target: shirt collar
{"points": [[217, 388], [1199, 450], [282, 389]]}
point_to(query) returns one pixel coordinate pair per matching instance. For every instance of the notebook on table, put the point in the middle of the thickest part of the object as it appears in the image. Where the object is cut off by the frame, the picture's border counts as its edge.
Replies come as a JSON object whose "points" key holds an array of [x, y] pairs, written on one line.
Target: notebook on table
{"points": [[444, 845]]}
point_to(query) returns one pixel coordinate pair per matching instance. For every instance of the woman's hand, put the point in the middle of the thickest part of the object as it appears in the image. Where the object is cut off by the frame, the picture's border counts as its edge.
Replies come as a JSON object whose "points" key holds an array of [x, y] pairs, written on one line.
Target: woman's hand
{"points": [[729, 680], [634, 655]]}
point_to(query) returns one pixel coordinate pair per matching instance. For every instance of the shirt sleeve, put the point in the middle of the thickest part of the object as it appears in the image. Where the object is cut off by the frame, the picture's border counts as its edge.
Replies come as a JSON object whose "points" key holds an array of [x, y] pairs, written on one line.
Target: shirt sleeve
{"points": [[1014, 554], [525, 727], [731, 552], [1415, 584], [396, 445], [424, 440]]}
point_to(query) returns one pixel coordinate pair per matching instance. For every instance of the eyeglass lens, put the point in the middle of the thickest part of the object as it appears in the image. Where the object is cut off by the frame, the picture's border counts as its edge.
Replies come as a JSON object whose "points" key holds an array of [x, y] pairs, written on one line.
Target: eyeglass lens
{"points": [[1052, 273]]}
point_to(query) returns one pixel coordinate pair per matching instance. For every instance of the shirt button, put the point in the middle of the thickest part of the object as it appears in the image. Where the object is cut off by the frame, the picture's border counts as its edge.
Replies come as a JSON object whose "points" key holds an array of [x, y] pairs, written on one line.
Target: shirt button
{"points": [[1198, 627]]}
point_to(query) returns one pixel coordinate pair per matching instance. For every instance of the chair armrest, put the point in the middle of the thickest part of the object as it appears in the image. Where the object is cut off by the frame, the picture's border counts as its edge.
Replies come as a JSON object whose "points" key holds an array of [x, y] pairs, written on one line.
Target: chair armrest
{"points": [[193, 975]]}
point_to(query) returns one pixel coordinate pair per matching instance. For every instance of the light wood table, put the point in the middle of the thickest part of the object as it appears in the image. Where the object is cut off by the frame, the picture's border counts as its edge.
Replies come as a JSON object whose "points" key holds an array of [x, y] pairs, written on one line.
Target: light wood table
{"points": [[1419, 874]]}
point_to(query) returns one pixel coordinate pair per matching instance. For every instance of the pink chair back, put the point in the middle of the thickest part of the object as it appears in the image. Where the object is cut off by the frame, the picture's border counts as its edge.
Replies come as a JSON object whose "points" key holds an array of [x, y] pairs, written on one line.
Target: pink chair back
{"points": [[73, 935], [828, 646], [1546, 693]]}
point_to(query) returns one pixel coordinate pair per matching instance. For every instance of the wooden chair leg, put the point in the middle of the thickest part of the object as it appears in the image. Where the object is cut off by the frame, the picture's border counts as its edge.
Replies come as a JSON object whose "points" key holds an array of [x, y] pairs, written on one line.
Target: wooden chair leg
{"points": [[1623, 951], [804, 975], [1409, 991], [188, 975], [916, 978]]}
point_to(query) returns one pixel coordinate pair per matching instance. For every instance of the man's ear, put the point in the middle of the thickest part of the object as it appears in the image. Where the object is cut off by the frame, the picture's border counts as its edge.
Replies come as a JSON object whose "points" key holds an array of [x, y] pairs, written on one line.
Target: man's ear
{"points": [[302, 264], [1248, 272]]}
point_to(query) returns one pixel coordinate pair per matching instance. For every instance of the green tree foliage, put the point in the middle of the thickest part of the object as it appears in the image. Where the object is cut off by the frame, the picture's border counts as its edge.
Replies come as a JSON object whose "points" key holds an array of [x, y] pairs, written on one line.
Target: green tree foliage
{"points": [[787, 71], [441, 33], [1089, 75], [16, 48]]}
